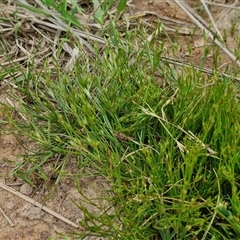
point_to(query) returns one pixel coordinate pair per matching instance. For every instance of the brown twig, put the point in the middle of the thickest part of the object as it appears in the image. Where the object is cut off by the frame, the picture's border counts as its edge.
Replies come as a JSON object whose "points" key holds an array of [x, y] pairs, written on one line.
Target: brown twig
{"points": [[7, 218], [37, 204]]}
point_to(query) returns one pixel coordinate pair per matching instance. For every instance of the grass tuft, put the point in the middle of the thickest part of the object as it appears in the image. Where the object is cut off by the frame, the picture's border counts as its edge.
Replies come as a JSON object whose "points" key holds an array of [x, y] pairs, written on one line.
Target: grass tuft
{"points": [[166, 140]]}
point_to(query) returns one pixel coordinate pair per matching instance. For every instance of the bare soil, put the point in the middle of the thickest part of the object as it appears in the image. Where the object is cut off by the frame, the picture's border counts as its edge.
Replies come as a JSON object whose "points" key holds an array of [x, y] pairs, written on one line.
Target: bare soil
{"points": [[23, 220]]}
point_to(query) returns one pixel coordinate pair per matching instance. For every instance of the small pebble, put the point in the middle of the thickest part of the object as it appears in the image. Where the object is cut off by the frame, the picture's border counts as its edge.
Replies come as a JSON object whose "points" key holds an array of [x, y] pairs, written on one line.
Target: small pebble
{"points": [[31, 212], [26, 189]]}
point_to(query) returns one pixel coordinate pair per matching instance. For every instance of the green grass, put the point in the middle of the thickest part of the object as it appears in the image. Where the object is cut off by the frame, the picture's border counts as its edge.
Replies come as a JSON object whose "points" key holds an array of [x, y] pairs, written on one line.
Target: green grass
{"points": [[170, 154]]}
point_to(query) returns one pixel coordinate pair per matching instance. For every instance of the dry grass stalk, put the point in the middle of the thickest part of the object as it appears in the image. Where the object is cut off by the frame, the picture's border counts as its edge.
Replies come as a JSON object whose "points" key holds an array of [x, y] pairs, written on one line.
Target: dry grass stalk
{"points": [[203, 26], [37, 204]]}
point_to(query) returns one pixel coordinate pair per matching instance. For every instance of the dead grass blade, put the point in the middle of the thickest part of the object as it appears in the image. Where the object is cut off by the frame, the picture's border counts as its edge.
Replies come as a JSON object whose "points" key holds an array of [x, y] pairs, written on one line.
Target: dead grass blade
{"points": [[211, 18], [203, 70], [232, 6], [7, 218], [203, 26], [39, 205], [29, 27]]}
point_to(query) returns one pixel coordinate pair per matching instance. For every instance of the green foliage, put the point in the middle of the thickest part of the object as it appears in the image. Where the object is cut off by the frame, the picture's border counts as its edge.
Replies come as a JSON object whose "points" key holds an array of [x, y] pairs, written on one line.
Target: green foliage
{"points": [[170, 153]]}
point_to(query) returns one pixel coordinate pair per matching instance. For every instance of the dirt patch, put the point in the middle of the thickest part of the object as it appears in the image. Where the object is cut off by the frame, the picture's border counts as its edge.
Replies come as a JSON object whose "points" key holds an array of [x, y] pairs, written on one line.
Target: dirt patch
{"points": [[28, 220], [31, 222]]}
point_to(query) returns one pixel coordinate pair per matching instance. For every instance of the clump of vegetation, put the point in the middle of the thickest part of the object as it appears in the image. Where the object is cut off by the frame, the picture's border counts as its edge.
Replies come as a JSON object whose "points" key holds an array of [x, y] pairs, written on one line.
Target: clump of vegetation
{"points": [[170, 153]]}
